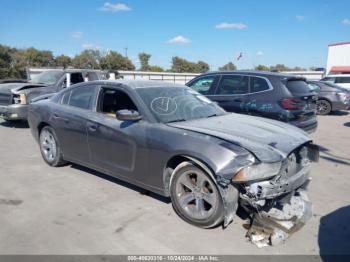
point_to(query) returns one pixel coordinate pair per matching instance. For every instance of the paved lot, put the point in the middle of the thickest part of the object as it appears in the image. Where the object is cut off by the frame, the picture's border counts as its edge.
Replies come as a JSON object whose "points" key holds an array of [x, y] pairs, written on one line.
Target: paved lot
{"points": [[72, 210]]}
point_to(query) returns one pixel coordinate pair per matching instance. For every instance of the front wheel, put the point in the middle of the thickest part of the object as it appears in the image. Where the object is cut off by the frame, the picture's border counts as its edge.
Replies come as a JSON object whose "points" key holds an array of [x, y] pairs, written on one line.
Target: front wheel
{"points": [[49, 147], [323, 107], [195, 197]]}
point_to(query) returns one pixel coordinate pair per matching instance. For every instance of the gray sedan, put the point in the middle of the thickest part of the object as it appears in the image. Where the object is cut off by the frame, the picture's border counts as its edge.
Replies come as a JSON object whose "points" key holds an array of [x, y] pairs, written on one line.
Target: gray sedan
{"points": [[331, 97], [175, 142]]}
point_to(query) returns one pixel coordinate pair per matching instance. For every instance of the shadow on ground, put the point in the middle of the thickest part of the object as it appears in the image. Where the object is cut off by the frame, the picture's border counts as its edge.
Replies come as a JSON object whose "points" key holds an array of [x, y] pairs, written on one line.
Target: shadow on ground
{"points": [[14, 124], [327, 155], [339, 113], [122, 183], [334, 233], [347, 124]]}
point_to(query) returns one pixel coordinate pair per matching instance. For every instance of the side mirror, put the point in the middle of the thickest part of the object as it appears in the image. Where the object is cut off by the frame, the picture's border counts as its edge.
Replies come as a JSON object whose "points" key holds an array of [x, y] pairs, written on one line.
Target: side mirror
{"points": [[131, 115]]}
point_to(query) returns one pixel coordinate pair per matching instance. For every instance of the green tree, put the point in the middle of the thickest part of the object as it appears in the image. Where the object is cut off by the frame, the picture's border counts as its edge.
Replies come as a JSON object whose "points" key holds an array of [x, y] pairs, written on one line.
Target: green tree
{"points": [[63, 61], [115, 61], [202, 67], [155, 68], [89, 58], [37, 58], [181, 65], [262, 68], [144, 60], [228, 67]]}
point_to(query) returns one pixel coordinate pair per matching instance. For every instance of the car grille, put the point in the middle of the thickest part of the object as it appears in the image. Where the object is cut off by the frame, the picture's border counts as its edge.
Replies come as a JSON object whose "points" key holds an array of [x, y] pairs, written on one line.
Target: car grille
{"points": [[5, 99]]}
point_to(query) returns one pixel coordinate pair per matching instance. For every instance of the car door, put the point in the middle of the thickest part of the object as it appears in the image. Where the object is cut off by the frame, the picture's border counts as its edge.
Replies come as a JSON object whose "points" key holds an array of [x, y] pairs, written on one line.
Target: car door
{"points": [[70, 120], [232, 92], [261, 100], [119, 147]]}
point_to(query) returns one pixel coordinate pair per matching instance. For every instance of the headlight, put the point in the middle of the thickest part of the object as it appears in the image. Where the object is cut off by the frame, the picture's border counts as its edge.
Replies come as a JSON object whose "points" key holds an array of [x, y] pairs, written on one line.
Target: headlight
{"points": [[20, 99], [257, 171]]}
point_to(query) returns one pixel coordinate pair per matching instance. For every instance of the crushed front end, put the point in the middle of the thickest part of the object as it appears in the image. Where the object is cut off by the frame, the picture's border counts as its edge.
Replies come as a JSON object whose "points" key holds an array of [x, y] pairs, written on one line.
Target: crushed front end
{"points": [[274, 195]]}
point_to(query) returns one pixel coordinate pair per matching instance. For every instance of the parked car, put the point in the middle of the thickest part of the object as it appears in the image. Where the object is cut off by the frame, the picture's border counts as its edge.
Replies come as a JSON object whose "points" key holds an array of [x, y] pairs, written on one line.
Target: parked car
{"points": [[342, 80], [16, 95], [286, 98], [330, 97], [175, 142]]}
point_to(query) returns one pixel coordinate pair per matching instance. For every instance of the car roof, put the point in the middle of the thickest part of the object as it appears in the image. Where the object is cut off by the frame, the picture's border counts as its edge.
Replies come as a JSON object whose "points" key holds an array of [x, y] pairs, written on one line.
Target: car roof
{"points": [[136, 84], [256, 73]]}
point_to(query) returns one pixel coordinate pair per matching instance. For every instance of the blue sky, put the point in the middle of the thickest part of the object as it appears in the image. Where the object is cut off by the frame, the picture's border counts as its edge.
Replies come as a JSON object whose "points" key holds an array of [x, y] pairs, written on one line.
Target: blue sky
{"points": [[292, 32]]}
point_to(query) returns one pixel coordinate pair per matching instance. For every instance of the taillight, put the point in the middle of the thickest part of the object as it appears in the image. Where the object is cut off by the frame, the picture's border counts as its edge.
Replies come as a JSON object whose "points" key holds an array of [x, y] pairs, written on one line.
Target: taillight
{"points": [[292, 103]]}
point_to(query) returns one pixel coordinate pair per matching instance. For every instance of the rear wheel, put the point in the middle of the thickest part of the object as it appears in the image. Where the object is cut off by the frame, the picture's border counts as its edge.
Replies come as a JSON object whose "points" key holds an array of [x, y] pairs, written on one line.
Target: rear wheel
{"points": [[323, 107], [49, 147], [195, 197]]}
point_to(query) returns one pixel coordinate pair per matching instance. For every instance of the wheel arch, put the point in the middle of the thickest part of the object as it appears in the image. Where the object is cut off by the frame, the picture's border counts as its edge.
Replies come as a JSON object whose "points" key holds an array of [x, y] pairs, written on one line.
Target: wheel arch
{"points": [[175, 161]]}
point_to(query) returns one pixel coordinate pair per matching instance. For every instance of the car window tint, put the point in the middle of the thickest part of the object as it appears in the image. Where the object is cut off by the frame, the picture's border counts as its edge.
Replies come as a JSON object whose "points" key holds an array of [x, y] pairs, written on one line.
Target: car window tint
{"points": [[82, 97], [313, 87], [298, 86], [258, 84], [343, 80], [329, 79], [65, 98], [203, 84], [76, 78], [233, 85]]}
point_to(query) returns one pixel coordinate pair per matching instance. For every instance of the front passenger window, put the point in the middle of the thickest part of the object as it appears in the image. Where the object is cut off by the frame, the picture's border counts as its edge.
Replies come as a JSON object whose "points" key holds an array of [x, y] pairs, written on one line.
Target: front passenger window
{"points": [[203, 84], [233, 85]]}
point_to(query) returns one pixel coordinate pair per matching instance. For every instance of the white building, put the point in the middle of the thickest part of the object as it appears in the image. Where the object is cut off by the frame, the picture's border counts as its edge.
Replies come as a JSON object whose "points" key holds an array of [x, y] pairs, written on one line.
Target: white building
{"points": [[338, 61]]}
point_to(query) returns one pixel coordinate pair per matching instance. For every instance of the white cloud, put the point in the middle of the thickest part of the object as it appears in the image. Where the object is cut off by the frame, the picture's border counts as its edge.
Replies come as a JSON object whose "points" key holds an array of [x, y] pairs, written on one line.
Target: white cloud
{"points": [[225, 25], [77, 35], [300, 18], [109, 7], [346, 21], [90, 46], [260, 53], [179, 40]]}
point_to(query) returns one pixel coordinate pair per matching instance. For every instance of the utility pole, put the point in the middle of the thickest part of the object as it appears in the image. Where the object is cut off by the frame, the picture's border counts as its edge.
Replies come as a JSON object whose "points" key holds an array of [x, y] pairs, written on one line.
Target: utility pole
{"points": [[126, 56]]}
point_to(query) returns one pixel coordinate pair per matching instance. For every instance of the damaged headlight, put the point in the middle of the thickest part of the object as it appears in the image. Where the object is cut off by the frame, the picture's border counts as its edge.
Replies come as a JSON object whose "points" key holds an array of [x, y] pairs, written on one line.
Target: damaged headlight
{"points": [[257, 171], [20, 99]]}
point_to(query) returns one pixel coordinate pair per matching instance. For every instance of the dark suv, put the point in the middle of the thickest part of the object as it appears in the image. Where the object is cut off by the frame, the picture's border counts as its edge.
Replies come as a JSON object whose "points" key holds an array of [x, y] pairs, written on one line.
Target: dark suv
{"points": [[278, 96]]}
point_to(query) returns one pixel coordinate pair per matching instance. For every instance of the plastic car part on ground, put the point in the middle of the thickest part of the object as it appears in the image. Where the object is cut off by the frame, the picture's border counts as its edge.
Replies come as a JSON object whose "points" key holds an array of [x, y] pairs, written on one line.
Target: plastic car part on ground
{"points": [[274, 226]]}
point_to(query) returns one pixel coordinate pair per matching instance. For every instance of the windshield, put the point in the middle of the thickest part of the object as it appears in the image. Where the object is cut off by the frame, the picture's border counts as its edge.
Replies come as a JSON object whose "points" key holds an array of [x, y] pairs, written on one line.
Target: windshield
{"points": [[47, 77], [173, 104]]}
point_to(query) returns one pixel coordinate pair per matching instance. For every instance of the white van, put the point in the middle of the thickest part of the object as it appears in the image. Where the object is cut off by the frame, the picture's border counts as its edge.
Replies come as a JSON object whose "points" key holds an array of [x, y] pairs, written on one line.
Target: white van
{"points": [[342, 80]]}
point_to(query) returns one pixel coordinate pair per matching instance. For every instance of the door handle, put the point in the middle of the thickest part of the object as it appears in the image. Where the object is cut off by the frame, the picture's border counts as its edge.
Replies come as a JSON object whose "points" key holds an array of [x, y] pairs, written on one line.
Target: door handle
{"points": [[92, 127]]}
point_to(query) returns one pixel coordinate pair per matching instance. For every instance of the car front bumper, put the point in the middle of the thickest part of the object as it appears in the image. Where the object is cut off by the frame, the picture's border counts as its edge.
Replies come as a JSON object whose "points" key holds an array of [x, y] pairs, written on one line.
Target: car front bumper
{"points": [[14, 112]]}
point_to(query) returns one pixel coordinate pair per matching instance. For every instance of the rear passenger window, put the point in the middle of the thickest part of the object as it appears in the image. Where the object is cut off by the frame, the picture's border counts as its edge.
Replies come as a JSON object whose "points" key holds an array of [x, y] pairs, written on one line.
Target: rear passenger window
{"points": [[203, 84], [258, 84], [82, 97], [233, 85]]}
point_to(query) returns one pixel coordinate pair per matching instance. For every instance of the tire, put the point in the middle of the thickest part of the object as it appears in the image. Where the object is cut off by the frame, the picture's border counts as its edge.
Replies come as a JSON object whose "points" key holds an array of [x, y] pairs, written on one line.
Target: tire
{"points": [[49, 147], [195, 196], [323, 107]]}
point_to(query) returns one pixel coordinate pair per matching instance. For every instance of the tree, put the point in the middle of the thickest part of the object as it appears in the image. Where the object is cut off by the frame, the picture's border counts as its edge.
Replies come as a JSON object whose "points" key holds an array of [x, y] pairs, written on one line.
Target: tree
{"points": [[202, 67], [180, 65], [63, 61], [37, 58], [262, 68], [115, 61], [228, 67], [144, 60], [155, 69], [89, 58]]}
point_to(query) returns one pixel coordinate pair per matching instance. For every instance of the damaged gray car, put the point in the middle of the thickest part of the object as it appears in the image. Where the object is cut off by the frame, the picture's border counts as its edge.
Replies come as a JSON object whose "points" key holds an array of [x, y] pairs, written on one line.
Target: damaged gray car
{"points": [[175, 142], [15, 96]]}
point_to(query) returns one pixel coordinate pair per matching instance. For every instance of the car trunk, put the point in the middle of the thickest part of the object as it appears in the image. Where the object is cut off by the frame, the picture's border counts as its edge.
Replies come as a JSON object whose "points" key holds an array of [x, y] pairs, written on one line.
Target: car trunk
{"points": [[303, 103]]}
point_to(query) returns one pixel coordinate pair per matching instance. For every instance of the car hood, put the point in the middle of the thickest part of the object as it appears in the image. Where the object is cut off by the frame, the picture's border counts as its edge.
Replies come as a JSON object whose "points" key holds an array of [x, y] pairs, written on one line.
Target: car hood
{"points": [[268, 140], [15, 87]]}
